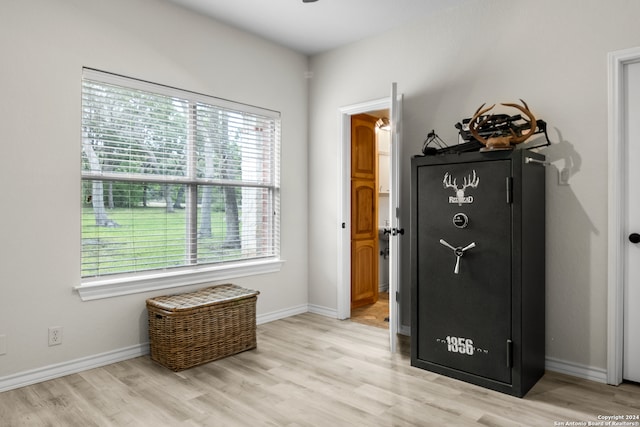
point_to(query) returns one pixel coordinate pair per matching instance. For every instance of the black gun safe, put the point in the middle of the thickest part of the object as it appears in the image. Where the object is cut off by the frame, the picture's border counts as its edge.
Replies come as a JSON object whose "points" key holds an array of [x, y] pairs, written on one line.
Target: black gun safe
{"points": [[478, 267]]}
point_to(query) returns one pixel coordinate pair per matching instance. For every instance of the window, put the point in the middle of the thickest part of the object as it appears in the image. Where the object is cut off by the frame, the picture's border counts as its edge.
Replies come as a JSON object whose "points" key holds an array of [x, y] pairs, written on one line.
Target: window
{"points": [[173, 180]]}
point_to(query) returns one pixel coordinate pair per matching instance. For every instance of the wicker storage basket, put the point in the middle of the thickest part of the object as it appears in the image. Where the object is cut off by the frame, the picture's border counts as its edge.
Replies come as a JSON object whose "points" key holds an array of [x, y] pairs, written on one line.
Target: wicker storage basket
{"points": [[195, 328]]}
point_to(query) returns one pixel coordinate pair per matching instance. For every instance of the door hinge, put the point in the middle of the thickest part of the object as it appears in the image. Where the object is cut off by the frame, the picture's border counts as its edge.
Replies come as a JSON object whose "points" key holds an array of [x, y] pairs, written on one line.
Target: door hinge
{"points": [[509, 187], [397, 212], [509, 354], [397, 296]]}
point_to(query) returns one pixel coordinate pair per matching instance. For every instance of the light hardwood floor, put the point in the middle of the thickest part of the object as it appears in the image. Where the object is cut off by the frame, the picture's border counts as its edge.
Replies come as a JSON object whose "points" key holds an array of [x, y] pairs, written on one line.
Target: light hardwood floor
{"points": [[308, 370]]}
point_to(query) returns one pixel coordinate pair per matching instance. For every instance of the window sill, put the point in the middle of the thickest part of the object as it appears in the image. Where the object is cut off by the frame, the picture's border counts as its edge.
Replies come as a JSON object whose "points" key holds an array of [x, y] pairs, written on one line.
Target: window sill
{"points": [[100, 288]]}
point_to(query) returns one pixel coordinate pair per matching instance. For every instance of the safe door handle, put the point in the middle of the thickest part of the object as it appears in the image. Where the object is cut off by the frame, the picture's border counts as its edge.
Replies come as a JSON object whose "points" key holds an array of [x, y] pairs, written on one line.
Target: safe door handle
{"points": [[442, 241], [458, 252]]}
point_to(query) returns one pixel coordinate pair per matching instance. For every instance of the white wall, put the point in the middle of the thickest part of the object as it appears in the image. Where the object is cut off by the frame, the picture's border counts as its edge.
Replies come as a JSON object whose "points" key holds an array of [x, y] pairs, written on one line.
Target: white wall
{"points": [[551, 54], [44, 45]]}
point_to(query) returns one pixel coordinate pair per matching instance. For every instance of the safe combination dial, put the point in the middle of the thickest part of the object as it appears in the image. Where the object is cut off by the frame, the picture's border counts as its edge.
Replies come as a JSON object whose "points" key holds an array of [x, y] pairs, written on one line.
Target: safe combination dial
{"points": [[460, 220]]}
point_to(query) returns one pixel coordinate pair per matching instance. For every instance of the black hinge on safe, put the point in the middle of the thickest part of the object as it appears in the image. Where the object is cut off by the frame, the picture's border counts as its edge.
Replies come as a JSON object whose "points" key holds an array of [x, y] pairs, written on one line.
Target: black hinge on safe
{"points": [[509, 189], [509, 354]]}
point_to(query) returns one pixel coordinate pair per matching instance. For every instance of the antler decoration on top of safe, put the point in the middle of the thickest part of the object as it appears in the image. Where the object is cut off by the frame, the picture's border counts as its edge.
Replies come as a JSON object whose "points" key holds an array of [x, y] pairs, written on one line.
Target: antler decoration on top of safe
{"points": [[503, 131]]}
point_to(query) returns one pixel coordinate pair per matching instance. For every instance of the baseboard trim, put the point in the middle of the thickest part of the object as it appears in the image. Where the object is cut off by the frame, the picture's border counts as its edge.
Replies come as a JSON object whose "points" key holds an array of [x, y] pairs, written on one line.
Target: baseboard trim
{"points": [[576, 370], [324, 311], [281, 314], [57, 370]]}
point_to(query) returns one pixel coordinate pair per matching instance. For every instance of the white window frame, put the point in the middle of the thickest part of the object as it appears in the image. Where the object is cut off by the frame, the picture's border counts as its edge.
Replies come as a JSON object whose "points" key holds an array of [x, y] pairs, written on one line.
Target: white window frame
{"points": [[93, 288]]}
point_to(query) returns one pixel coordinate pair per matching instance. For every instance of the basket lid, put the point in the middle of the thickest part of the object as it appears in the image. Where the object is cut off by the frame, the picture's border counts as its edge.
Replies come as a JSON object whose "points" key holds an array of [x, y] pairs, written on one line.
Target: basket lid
{"points": [[201, 298]]}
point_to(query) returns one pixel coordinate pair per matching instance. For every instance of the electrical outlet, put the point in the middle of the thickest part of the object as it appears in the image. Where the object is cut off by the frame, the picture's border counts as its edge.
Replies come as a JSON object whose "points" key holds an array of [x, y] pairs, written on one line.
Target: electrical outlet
{"points": [[55, 335], [563, 176]]}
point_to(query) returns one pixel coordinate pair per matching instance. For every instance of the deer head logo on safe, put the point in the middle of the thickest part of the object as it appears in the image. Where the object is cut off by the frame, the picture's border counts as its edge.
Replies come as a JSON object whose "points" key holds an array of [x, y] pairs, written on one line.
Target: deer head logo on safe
{"points": [[468, 181]]}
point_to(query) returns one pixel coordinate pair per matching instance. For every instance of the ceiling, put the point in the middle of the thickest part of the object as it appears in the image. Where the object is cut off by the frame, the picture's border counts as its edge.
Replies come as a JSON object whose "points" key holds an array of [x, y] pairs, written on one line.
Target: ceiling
{"points": [[316, 27]]}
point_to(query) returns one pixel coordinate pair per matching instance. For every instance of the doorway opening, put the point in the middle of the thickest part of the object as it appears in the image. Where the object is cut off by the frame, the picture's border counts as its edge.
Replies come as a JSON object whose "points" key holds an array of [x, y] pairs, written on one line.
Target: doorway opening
{"points": [[393, 105], [377, 108], [370, 224]]}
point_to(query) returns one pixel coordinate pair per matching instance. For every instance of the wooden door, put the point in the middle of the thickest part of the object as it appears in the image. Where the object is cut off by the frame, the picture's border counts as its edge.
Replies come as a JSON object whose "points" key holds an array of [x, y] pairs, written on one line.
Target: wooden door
{"points": [[364, 211]]}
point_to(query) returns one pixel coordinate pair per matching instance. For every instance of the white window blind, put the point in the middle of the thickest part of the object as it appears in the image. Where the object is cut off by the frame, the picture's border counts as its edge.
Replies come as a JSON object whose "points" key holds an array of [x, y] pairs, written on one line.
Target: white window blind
{"points": [[172, 178]]}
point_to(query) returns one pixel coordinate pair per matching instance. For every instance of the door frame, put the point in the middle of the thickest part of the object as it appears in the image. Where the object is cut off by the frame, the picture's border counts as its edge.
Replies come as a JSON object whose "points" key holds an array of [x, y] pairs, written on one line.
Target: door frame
{"points": [[617, 209], [344, 200]]}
